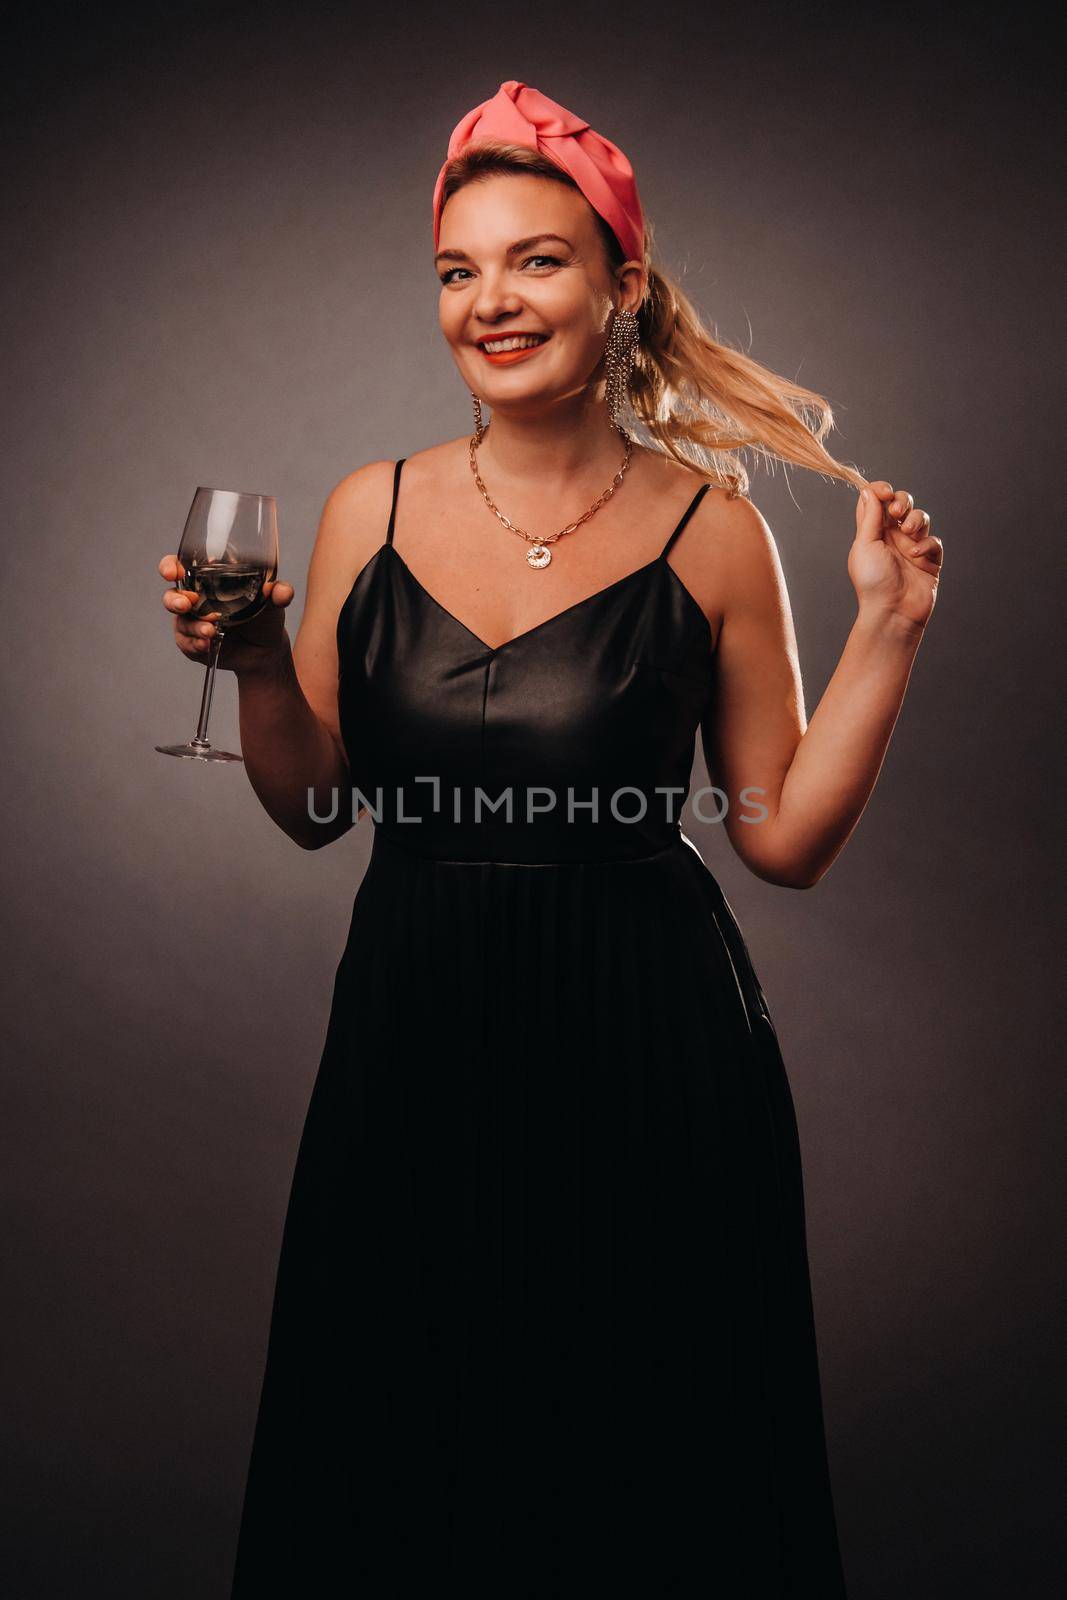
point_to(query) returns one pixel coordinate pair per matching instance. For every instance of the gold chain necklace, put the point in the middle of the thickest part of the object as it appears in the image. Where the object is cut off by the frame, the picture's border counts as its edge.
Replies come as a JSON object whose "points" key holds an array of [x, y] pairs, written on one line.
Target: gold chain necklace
{"points": [[539, 555]]}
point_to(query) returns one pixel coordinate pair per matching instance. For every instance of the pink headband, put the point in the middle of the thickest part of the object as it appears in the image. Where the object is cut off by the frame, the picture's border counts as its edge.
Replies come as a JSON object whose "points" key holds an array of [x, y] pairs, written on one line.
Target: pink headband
{"points": [[521, 115]]}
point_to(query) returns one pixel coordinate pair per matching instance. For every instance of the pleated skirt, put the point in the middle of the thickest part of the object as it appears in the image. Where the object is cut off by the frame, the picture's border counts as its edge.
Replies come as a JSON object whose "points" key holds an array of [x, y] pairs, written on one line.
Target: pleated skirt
{"points": [[542, 1322]]}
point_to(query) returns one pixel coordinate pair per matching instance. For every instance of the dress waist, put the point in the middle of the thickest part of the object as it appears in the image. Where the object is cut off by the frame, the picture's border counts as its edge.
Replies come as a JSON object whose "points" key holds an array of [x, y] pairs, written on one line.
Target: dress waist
{"points": [[524, 848]]}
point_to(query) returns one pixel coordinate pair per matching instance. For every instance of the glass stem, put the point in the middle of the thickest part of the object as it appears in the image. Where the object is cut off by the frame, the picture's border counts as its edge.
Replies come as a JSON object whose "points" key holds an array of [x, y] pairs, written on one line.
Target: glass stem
{"points": [[200, 738]]}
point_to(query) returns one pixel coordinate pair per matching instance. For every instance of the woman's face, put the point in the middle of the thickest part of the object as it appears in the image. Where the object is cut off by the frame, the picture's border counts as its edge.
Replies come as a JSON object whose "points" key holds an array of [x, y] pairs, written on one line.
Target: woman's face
{"points": [[500, 277]]}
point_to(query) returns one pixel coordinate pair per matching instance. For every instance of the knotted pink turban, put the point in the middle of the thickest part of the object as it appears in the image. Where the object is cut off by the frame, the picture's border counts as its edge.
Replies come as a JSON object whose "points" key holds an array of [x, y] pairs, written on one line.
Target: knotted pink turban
{"points": [[521, 115]]}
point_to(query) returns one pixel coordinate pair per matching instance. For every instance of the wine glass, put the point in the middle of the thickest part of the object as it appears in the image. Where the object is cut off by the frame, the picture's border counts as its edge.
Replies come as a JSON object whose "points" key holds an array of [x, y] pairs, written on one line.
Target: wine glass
{"points": [[228, 551]]}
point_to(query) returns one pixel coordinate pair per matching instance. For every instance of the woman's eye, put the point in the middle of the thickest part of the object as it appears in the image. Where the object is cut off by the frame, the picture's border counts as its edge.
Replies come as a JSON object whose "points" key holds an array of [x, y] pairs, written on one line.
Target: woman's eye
{"points": [[447, 277]]}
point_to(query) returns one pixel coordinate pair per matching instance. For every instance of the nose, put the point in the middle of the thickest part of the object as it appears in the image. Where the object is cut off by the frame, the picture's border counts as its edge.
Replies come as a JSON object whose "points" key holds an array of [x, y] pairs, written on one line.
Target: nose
{"points": [[494, 300]]}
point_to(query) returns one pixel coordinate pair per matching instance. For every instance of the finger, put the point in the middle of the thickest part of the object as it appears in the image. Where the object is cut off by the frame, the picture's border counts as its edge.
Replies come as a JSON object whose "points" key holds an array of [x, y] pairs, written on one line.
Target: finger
{"points": [[195, 628], [930, 549], [900, 504], [929, 563], [282, 593], [183, 601], [191, 638], [192, 644], [168, 567], [869, 516], [882, 489], [915, 524]]}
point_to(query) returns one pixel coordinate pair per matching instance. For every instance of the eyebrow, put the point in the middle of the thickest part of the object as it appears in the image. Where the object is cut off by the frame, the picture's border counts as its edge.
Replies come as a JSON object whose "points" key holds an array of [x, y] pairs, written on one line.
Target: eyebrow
{"points": [[513, 249]]}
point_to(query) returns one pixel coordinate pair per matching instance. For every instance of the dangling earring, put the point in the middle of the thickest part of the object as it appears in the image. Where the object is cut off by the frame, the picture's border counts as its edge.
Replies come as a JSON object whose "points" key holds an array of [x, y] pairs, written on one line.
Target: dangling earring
{"points": [[479, 426], [619, 364]]}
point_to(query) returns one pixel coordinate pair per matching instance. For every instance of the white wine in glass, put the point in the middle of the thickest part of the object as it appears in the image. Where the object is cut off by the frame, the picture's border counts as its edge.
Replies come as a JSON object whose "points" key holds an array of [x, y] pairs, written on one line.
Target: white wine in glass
{"points": [[228, 552]]}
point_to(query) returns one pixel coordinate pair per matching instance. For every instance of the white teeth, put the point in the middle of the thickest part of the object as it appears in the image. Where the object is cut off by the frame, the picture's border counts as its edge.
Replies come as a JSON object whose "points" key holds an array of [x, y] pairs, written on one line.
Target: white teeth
{"points": [[513, 344]]}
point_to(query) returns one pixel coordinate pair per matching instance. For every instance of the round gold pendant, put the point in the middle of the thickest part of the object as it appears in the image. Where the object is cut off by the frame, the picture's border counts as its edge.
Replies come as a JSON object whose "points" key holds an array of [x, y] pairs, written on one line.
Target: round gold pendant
{"points": [[539, 555]]}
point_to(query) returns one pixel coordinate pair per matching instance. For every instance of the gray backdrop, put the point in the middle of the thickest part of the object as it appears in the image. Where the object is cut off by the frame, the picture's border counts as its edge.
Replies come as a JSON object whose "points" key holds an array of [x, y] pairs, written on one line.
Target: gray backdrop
{"points": [[218, 271]]}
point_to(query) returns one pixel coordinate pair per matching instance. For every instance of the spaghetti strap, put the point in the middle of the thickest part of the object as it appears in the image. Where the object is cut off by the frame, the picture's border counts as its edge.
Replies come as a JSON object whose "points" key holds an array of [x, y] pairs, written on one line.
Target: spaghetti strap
{"points": [[701, 492], [392, 508]]}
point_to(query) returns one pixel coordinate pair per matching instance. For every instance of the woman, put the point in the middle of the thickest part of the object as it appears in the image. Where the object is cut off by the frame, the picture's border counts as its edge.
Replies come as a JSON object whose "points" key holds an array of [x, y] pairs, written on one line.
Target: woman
{"points": [[543, 1323]]}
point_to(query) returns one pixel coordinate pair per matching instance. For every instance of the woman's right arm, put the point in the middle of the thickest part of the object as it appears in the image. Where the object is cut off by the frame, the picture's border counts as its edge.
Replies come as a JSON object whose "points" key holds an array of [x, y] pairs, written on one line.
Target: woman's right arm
{"points": [[290, 732]]}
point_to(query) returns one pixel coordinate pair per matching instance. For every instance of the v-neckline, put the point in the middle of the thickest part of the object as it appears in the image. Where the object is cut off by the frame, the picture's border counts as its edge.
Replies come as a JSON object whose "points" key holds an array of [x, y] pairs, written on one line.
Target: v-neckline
{"points": [[577, 605]]}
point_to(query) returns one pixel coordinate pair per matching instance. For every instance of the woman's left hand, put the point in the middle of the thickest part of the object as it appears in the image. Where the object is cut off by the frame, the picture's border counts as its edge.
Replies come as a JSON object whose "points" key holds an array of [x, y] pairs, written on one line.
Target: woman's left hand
{"points": [[895, 561]]}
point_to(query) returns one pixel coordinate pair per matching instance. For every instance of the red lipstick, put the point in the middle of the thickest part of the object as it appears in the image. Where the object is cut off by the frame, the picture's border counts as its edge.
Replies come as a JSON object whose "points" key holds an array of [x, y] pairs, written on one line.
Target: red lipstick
{"points": [[506, 358]]}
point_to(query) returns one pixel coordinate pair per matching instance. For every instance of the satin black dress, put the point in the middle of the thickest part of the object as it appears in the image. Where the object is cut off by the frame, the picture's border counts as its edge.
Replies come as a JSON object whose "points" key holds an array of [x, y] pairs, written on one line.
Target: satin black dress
{"points": [[542, 1322]]}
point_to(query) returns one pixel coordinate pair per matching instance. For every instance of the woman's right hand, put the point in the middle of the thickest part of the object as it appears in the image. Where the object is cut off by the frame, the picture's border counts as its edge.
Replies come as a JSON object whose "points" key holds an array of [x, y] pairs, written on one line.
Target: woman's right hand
{"points": [[249, 647]]}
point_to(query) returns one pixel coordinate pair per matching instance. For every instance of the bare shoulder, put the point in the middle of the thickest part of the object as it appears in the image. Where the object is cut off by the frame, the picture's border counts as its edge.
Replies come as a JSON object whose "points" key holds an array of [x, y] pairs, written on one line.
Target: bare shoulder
{"points": [[726, 555], [720, 514], [359, 494], [351, 528], [742, 538], [353, 524], [729, 517], [741, 571], [439, 465], [364, 489]]}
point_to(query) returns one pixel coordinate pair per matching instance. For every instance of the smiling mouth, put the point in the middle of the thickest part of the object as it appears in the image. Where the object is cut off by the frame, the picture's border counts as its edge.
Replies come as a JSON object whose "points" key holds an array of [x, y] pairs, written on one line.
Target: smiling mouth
{"points": [[507, 352]]}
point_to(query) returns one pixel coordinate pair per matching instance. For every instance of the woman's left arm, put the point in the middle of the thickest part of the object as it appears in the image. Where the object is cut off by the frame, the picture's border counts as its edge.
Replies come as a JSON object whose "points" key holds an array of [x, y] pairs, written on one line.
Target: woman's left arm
{"points": [[814, 779]]}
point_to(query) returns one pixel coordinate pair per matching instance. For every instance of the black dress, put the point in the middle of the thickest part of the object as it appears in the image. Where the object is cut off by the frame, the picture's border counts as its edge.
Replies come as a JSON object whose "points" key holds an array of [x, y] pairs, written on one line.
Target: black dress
{"points": [[542, 1323]]}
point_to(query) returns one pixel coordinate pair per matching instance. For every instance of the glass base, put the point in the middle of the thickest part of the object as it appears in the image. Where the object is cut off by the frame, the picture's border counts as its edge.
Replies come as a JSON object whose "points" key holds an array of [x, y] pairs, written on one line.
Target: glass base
{"points": [[197, 752]]}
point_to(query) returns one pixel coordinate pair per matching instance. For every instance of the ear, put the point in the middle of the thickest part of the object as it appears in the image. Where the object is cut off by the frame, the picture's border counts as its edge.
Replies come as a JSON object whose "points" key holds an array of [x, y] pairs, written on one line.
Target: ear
{"points": [[631, 281]]}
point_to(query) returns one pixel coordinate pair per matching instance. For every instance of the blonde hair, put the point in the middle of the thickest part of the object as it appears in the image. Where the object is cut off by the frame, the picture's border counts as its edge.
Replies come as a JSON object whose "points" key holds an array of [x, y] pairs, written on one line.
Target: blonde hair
{"points": [[701, 401]]}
